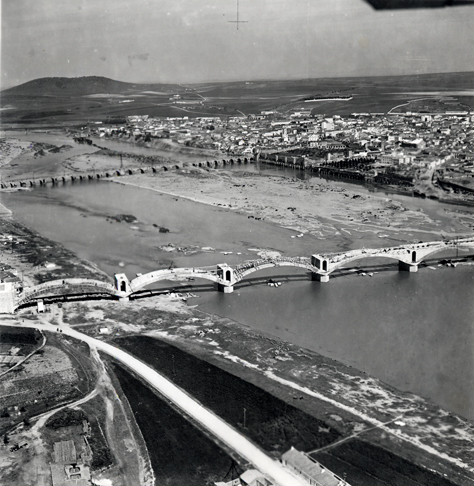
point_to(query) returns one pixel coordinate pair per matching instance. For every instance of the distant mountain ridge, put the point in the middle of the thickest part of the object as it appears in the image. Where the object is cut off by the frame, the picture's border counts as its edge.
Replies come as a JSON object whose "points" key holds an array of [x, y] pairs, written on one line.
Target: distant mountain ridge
{"points": [[84, 85], [88, 85]]}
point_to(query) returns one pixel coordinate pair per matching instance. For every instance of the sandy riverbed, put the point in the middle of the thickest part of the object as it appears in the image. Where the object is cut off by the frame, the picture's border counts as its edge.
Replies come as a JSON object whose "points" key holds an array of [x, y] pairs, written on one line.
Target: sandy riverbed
{"points": [[325, 210]]}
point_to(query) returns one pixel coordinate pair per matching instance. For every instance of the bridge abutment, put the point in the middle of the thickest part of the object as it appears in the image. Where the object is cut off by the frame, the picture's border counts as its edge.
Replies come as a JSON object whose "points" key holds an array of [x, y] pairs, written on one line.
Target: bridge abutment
{"points": [[407, 267]]}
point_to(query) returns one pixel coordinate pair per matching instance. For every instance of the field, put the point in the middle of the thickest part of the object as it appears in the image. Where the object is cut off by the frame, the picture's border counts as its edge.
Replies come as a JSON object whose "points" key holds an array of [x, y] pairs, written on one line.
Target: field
{"points": [[179, 452], [44, 102], [273, 424], [50, 377]]}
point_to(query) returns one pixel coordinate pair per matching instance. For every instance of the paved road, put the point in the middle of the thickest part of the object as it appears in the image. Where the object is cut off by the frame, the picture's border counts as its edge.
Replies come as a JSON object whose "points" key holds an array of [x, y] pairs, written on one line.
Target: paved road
{"points": [[215, 425]]}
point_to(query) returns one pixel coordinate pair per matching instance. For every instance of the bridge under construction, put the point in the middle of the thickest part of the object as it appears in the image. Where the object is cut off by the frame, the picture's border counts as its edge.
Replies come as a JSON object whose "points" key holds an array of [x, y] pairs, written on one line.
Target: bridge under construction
{"points": [[224, 276]]}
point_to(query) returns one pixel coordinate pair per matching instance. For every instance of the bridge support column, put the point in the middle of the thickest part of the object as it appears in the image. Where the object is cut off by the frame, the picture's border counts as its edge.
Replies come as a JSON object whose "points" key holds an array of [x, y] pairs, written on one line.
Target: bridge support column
{"points": [[122, 287], [227, 289], [226, 276], [320, 262], [320, 277], [407, 267]]}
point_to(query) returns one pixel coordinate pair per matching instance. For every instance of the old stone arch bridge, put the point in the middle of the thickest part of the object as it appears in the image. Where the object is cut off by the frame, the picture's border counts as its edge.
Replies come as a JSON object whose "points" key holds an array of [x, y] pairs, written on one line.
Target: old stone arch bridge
{"points": [[111, 173], [226, 277]]}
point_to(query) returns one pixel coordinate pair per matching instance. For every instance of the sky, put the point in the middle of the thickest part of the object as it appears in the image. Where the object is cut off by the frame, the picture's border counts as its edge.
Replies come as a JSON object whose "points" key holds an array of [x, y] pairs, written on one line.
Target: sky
{"points": [[192, 41]]}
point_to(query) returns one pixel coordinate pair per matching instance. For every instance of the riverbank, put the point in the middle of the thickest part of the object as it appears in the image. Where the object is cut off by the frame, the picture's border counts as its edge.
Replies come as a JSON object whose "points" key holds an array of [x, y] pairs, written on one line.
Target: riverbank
{"points": [[350, 218], [309, 209], [351, 402]]}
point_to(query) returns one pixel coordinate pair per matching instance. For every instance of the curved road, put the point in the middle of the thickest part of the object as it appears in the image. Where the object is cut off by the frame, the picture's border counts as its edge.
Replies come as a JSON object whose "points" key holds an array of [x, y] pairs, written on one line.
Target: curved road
{"points": [[214, 424]]}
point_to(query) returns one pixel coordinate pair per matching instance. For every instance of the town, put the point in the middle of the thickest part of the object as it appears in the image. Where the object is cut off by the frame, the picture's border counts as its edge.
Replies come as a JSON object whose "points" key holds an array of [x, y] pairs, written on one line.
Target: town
{"points": [[409, 150]]}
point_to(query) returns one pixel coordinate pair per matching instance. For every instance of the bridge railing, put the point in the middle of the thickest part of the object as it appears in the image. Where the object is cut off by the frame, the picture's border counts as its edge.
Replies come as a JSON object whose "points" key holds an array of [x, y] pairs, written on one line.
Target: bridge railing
{"points": [[394, 251], [29, 293], [250, 266]]}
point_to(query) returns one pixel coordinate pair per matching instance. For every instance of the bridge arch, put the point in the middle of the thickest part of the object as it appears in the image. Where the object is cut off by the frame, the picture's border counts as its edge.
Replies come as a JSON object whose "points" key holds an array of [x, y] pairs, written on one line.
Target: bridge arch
{"points": [[178, 274], [424, 253], [247, 268], [332, 266], [73, 285]]}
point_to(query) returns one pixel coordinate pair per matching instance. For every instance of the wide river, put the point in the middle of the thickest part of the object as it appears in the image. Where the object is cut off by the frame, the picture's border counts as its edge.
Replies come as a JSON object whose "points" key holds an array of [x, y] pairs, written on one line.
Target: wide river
{"points": [[413, 331]]}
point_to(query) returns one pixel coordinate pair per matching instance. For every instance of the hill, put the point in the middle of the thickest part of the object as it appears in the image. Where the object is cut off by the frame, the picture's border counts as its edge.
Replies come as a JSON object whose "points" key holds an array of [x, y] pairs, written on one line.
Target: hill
{"points": [[94, 98], [81, 86]]}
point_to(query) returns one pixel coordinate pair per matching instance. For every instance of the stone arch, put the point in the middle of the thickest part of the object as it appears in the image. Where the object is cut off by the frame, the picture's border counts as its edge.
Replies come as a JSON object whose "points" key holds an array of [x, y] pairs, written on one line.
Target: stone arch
{"points": [[117, 172], [165, 169], [130, 172], [413, 256]]}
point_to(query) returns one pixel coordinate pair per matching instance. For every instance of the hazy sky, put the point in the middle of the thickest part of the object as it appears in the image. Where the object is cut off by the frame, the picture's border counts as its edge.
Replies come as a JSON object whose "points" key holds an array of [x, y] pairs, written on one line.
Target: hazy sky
{"points": [[192, 40]]}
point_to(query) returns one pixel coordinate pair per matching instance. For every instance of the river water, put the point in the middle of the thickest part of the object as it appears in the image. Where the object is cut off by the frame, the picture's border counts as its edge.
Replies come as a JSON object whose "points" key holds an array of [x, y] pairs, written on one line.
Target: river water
{"points": [[413, 331]]}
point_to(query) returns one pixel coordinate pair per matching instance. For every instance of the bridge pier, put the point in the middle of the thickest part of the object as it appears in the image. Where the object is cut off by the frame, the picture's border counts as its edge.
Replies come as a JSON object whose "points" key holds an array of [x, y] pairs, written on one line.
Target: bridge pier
{"points": [[122, 287], [407, 267], [320, 277], [227, 289], [226, 276]]}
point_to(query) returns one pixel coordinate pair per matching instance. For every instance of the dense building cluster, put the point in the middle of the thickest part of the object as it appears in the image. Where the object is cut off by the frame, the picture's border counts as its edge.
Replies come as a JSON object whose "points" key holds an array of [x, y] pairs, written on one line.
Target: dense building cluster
{"points": [[397, 145]]}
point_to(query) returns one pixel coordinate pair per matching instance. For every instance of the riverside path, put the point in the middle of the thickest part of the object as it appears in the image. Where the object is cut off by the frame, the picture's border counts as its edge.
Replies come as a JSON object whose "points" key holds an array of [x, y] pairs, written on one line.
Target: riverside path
{"points": [[220, 429]]}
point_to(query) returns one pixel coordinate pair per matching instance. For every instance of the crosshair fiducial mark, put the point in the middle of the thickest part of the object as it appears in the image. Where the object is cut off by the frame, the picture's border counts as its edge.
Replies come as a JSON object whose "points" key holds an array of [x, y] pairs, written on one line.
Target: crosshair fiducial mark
{"points": [[238, 21]]}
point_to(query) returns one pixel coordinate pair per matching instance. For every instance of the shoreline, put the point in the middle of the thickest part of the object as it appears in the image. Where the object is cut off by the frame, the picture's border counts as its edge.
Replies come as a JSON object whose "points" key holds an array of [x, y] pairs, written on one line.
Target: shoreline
{"points": [[245, 209], [362, 404], [342, 214]]}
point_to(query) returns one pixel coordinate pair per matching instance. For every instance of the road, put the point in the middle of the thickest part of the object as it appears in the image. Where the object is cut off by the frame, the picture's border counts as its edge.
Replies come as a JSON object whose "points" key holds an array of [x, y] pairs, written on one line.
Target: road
{"points": [[215, 425]]}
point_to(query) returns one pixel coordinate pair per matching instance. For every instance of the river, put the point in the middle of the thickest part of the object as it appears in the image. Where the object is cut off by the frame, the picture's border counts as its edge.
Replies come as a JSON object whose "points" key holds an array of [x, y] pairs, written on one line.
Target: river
{"points": [[413, 331]]}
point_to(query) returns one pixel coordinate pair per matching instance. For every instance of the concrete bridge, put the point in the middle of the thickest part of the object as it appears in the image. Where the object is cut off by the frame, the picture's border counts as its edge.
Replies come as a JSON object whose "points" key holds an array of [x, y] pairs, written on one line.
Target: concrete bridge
{"points": [[320, 266], [226, 277], [408, 256]]}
